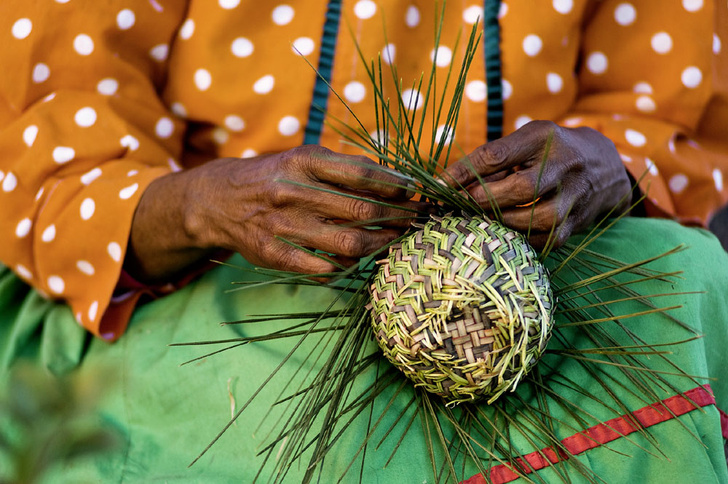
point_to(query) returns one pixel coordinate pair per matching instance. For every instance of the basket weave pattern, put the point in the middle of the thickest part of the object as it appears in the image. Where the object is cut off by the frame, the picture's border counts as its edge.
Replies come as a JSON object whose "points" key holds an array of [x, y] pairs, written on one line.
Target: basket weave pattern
{"points": [[462, 307]]}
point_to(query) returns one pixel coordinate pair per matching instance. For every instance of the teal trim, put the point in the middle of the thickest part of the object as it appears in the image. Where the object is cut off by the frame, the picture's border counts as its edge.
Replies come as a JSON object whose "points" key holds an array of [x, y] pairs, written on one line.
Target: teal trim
{"points": [[317, 110], [493, 69]]}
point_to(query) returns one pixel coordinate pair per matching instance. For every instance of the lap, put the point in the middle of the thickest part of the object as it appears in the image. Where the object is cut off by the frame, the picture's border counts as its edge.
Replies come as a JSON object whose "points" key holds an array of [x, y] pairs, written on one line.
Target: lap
{"points": [[166, 414]]}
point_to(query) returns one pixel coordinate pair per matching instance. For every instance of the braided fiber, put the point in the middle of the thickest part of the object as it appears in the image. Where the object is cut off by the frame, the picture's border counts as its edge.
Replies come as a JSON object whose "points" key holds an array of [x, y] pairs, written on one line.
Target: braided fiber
{"points": [[462, 307]]}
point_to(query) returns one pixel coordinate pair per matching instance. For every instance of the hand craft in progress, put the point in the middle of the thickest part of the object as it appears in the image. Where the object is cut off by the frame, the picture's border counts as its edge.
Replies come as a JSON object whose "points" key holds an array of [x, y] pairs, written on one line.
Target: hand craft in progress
{"points": [[462, 307]]}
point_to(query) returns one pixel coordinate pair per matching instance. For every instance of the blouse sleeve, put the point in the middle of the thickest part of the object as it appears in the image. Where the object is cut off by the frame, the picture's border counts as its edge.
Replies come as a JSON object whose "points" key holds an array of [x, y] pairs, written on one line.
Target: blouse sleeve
{"points": [[655, 81], [82, 133]]}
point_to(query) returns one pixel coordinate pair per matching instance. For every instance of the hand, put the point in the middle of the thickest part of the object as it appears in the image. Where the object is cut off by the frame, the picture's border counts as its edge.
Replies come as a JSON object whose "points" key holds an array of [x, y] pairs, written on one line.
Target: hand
{"points": [[248, 205], [580, 178]]}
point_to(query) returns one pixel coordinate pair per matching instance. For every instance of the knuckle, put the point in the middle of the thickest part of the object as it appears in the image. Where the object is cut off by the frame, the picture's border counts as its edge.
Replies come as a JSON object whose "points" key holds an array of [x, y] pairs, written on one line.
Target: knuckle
{"points": [[360, 210], [350, 243]]}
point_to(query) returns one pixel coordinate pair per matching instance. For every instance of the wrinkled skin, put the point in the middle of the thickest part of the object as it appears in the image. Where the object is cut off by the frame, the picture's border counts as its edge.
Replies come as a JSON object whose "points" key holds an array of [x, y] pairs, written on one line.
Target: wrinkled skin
{"points": [[582, 179], [247, 206]]}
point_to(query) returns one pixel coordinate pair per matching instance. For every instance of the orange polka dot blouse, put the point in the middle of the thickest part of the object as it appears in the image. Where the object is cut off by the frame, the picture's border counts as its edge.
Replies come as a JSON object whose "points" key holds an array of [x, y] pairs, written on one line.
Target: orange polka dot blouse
{"points": [[97, 99]]}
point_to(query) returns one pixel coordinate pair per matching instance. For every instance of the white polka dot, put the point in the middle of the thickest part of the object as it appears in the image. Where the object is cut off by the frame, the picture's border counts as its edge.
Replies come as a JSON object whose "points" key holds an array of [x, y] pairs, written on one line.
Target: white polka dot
{"points": [[303, 45], [365, 9], [203, 79], [642, 88], [10, 182], [651, 167], [23, 228], [21, 28], [187, 29], [716, 44], [661, 42], [678, 183], [241, 47], [282, 14], [125, 19], [532, 45], [49, 97], [228, 4], [476, 91], [91, 175], [83, 44], [164, 127], [645, 104], [173, 165], [114, 251], [563, 6], [41, 73], [554, 82], [63, 154], [625, 158], [132, 172], [249, 153], [39, 194], [126, 193], [178, 109], [88, 207], [388, 53], [108, 86], [220, 135], [354, 92], [264, 85], [159, 52], [412, 99], [473, 14], [692, 5], [503, 10], [234, 123], [412, 17], [444, 56], [56, 284], [691, 77], [718, 179], [23, 271], [288, 126], [29, 134], [507, 89], [522, 121], [49, 233], [635, 138], [85, 117], [444, 133], [92, 310], [597, 63], [625, 14], [130, 142]]}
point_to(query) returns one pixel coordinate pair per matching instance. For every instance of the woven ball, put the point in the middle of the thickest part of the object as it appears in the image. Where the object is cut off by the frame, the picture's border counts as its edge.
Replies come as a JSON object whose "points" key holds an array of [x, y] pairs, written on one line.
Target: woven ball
{"points": [[463, 307]]}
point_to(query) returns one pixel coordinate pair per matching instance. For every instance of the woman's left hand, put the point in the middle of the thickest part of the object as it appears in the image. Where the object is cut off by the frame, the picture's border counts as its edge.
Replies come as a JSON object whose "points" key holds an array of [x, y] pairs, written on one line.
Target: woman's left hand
{"points": [[580, 178]]}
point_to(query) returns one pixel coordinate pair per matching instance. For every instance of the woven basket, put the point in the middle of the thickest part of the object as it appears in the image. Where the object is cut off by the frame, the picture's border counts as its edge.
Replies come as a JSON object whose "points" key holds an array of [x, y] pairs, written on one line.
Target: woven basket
{"points": [[462, 307]]}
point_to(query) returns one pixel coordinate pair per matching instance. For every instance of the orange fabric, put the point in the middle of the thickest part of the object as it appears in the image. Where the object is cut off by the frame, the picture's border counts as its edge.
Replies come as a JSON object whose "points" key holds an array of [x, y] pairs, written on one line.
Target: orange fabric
{"points": [[99, 99]]}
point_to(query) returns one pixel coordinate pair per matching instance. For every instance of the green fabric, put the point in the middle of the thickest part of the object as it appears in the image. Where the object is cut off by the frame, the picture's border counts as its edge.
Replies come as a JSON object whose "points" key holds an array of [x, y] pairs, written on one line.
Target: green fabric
{"points": [[166, 414]]}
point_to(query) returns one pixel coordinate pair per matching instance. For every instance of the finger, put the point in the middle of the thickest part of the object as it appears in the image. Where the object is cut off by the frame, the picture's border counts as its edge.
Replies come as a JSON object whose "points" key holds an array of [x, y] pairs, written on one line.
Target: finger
{"points": [[351, 242], [543, 216], [519, 147], [519, 188], [371, 212], [358, 173]]}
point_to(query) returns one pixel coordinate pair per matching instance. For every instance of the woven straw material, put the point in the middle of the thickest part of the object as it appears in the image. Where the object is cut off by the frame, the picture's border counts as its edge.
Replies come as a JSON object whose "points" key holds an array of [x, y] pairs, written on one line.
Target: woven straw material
{"points": [[462, 307]]}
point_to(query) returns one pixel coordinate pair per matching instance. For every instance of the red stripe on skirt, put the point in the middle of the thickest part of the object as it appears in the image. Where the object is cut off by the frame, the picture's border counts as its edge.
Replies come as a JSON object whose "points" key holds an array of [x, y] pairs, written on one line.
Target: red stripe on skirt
{"points": [[605, 432]]}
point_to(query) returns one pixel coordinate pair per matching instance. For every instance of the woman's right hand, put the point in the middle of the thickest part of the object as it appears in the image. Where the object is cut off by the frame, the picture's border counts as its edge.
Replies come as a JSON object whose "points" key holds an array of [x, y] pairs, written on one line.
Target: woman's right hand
{"points": [[249, 205]]}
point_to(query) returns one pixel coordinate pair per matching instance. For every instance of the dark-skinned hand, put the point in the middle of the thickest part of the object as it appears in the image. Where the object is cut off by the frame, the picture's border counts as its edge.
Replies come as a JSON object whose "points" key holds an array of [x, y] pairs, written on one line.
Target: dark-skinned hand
{"points": [[583, 177], [249, 205]]}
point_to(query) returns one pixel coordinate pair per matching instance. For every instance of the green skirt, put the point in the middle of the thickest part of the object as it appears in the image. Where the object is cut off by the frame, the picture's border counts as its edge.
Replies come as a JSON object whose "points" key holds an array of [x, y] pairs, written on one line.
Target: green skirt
{"points": [[77, 409]]}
